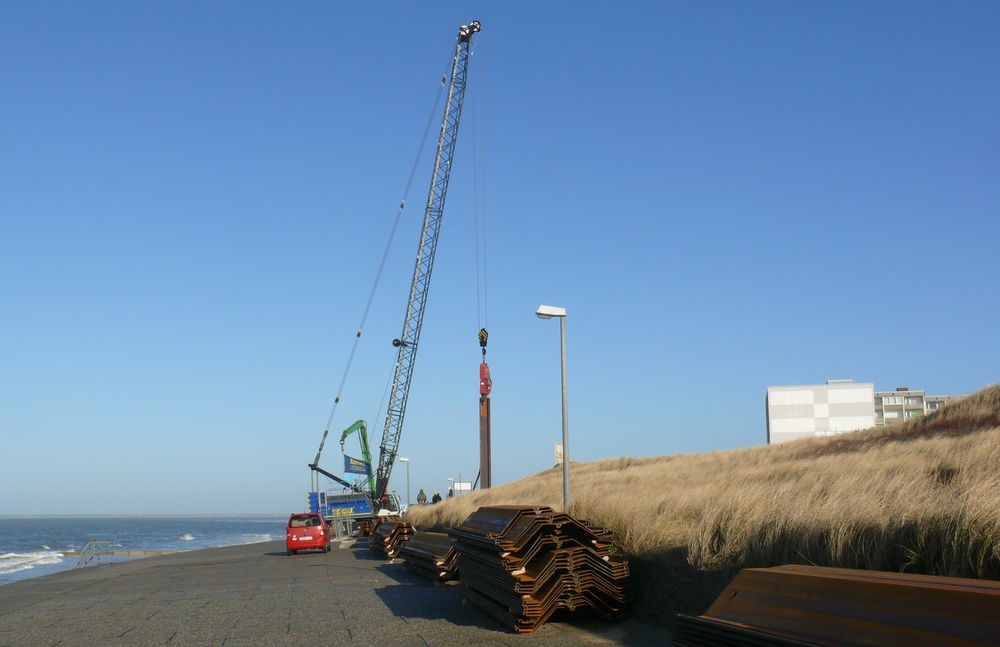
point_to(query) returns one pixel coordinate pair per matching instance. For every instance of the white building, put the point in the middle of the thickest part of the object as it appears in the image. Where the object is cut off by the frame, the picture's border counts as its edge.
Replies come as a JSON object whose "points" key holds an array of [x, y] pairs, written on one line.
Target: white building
{"points": [[815, 410], [904, 403]]}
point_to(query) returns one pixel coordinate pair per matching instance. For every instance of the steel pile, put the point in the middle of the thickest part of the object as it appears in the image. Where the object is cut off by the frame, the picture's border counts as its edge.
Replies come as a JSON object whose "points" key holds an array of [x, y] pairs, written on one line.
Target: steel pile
{"points": [[432, 555], [810, 605], [389, 536], [521, 565]]}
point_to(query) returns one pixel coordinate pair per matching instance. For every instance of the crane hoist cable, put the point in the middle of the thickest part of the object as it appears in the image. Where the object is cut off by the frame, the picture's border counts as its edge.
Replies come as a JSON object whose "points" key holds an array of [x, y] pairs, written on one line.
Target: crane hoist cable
{"points": [[479, 203], [479, 212], [381, 267]]}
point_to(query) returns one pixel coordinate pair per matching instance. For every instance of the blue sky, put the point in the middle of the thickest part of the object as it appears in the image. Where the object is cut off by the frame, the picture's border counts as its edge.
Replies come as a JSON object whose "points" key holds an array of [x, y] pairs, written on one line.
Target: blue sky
{"points": [[194, 199]]}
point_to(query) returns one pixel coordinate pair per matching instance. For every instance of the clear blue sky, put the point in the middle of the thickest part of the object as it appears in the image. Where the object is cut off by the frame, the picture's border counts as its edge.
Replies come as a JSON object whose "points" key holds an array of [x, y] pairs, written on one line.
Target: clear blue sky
{"points": [[725, 196]]}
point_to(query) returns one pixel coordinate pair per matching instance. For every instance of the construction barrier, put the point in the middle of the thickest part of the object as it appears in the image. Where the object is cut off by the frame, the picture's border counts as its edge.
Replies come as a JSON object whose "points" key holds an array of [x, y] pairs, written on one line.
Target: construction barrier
{"points": [[810, 605], [389, 536], [521, 565], [431, 554]]}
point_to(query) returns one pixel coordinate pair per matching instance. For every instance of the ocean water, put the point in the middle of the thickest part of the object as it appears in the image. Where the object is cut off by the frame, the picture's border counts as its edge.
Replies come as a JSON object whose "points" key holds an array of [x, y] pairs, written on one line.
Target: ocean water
{"points": [[33, 546]]}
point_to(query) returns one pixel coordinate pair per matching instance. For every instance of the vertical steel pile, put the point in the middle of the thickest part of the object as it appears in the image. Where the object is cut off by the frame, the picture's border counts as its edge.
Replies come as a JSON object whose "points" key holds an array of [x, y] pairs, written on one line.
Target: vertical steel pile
{"points": [[521, 565], [812, 605], [389, 536], [432, 555]]}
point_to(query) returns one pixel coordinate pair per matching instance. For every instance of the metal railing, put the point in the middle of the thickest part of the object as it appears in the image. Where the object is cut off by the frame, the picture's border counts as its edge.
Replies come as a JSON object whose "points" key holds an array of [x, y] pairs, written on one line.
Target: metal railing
{"points": [[92, 552]]}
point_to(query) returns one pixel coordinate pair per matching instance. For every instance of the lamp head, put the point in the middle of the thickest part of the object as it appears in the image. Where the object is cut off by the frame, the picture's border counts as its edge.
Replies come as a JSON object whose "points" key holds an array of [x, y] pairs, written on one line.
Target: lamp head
{"points": [[548, 312]]}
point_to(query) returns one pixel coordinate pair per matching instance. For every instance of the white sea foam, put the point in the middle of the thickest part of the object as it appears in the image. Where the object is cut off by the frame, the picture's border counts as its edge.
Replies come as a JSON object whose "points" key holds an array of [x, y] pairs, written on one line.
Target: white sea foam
{"points": [[13, 562], [186, 537], [250, 538]]}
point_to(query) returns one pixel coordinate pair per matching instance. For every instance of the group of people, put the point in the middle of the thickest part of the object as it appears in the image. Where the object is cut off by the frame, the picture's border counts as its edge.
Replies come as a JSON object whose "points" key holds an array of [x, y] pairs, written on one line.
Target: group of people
{"points": [[422, 497]]}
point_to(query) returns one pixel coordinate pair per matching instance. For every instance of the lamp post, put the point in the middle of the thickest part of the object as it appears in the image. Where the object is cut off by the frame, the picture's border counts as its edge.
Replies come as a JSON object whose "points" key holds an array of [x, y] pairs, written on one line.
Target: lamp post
{"points": [[549, 312], [407, 461]]}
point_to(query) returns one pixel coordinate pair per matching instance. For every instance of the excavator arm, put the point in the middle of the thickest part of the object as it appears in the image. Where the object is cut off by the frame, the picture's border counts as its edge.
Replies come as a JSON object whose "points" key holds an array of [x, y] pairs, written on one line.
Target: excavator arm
{"points": [[366, 454], [351, 486]]}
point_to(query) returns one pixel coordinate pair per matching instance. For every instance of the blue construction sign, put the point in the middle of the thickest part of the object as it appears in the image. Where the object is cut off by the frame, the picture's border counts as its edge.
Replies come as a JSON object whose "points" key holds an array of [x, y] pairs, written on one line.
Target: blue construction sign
{"points": [[355, 466]]}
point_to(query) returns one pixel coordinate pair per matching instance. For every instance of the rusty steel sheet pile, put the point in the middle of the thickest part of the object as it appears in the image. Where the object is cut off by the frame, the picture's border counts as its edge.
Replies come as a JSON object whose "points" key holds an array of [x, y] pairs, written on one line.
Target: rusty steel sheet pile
{"points": [[521, 565], [433, 555], [389, 536], [812, 605]]}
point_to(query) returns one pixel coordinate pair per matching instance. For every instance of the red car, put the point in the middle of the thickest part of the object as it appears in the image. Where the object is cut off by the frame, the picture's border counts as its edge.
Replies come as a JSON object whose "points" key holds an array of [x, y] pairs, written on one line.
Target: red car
{"points": [[305, 531]]}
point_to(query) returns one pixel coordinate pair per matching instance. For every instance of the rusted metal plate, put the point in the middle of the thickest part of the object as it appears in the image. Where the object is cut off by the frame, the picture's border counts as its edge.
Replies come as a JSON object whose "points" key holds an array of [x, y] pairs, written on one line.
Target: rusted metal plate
{"points": [[829, 606]]}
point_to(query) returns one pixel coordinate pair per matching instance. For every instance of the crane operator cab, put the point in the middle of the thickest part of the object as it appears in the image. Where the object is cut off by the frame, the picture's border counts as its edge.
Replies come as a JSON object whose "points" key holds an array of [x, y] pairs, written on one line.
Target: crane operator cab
{"points": [[388, 506]]}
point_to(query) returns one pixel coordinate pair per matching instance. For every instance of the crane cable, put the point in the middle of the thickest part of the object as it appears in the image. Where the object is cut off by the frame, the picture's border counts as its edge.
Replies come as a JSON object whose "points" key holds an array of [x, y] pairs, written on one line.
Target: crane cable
{"points": [[479, 207], [381, 267], [479, 212]]}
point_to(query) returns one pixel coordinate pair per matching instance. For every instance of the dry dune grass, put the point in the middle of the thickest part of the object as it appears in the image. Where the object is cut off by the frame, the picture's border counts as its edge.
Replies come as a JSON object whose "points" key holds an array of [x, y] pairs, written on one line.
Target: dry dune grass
{"points": [[923, 496]]}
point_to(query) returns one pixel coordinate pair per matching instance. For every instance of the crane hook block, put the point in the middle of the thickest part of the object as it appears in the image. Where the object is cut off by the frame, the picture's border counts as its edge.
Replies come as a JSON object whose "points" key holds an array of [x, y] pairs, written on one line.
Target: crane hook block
{"points": [[483, 337], [485, 383]]}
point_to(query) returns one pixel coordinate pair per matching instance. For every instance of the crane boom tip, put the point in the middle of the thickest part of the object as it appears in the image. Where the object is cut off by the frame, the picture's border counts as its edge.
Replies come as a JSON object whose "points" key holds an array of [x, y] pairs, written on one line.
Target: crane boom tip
{"points": [[466, 31]]}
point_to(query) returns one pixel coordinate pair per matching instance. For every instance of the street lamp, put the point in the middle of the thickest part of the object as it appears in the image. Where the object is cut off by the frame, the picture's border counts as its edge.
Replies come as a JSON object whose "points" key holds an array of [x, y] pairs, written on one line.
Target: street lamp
{"points": [[407, 461], [548, 312]]}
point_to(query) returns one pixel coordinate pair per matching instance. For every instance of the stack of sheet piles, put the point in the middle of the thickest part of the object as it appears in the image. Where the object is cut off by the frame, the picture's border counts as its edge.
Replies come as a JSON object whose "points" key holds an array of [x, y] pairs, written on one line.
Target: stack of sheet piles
{"points": [[432, 555], [521, 565], [389, 537]]}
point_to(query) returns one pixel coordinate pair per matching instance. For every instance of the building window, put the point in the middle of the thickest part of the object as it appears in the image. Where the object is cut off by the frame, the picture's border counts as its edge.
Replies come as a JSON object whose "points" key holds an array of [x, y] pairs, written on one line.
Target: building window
{"points": [[892, 414], [914, 400]]}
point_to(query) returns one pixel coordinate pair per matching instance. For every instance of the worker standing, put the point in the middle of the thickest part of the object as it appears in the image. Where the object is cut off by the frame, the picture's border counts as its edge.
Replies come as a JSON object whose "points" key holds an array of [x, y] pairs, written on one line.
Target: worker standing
{"points": [[421, 497]]}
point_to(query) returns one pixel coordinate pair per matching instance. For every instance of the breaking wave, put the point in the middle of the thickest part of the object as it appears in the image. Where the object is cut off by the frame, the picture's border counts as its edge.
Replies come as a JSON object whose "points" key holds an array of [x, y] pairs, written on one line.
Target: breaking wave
{"points": [[186, 537], [13, 562]]}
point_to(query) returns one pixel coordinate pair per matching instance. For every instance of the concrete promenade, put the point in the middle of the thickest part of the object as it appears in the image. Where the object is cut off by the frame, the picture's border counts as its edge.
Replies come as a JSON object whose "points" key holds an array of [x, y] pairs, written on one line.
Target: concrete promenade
{"points": [[256, 595]]}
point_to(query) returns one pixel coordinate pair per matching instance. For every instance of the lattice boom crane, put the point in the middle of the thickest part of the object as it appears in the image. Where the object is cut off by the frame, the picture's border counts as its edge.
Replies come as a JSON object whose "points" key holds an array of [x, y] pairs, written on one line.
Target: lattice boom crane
{"points": [[408, 342]]}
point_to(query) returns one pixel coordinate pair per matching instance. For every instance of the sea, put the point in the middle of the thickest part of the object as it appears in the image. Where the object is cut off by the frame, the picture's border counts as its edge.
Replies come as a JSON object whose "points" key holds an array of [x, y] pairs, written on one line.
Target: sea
{"points": [[34, 546]]}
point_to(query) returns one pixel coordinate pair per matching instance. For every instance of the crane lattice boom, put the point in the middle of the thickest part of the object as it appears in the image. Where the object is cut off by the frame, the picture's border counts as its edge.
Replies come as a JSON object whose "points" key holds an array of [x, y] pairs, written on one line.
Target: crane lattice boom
{"points": [[408, 342]]}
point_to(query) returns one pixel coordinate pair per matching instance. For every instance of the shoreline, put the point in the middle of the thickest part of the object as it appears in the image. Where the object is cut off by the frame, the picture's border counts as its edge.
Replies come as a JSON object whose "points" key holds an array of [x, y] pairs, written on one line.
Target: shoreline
{"points": [[134, 553], [67, 562]]}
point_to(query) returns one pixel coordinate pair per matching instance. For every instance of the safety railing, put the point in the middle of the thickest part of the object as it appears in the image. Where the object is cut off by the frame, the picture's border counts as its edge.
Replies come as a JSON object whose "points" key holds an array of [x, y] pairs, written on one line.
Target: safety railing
{"points": [[92, 552]]}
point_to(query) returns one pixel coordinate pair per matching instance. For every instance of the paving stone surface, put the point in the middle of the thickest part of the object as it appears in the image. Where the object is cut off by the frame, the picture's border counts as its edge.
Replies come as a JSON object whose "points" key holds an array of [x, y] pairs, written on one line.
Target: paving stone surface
{"points": [[257, 595]]}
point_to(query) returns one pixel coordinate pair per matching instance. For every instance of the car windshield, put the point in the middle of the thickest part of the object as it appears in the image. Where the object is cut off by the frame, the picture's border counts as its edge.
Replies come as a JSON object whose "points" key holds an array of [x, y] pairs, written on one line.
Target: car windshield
{"points": [[302, 520]]}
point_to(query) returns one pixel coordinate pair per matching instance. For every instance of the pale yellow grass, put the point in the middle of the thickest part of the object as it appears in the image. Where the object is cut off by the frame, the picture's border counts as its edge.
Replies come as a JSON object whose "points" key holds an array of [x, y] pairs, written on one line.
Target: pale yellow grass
{"points": [[924, 496]]}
